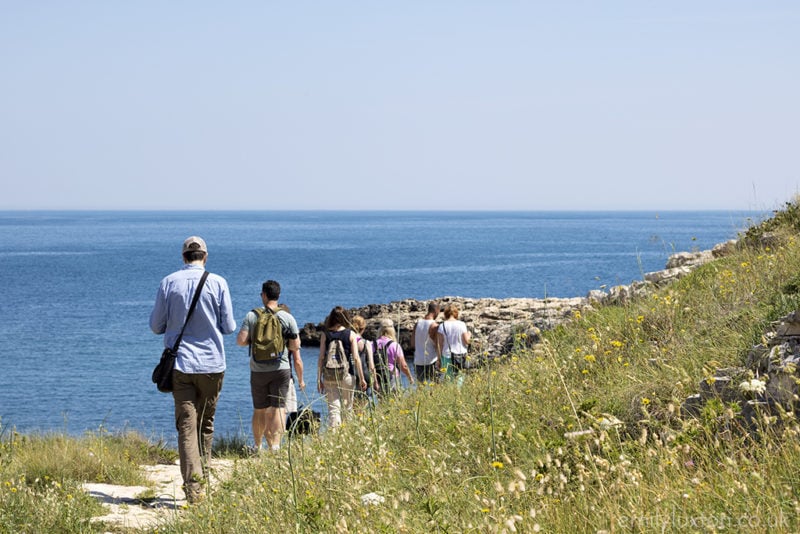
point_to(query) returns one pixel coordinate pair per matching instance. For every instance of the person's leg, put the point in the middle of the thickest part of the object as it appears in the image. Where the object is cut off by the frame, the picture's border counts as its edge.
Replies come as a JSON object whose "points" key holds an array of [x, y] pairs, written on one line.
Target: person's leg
{"points": [[185, 396], [276, 413], [275, 423], [259, 426], [208, 387], [259, 393], [333, 396], [347, 392]]}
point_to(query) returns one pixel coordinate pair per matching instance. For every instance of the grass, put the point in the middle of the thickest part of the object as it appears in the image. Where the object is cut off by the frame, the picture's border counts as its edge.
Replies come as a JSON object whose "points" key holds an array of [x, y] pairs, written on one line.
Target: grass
{"points": [[41, 476], [581, 433]]}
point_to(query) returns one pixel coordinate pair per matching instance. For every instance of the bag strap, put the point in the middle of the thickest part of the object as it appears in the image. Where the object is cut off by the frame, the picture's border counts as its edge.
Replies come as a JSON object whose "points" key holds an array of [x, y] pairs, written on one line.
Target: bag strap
{"points": [[446, 338], [191, 309]]}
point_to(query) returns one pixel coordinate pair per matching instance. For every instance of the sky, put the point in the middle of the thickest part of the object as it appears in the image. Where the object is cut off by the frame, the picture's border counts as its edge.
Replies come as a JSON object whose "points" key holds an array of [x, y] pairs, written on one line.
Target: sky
{"points": [[412, 105]]}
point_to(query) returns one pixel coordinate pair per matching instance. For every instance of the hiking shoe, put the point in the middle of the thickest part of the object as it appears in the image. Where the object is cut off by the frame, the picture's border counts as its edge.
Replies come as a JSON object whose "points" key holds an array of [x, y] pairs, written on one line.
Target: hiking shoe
{"points": [[250, 451], [194, 495]]}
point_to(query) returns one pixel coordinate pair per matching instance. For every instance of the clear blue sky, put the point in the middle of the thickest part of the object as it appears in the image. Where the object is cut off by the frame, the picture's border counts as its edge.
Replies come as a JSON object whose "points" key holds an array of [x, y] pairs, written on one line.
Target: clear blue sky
{"points": [[523, 105]]}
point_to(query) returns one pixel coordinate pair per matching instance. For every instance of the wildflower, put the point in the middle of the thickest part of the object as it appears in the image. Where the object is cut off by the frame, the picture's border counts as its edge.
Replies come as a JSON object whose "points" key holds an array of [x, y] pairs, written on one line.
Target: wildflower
{"points": [[616, 344], [640, 319], [497, 465], [645, 401], [372, 499], [753, 386], [590, 358]]}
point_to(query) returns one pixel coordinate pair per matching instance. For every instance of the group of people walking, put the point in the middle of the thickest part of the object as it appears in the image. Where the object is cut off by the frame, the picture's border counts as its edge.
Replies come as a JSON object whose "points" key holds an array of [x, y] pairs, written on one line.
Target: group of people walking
{"points": [[351, 369]]}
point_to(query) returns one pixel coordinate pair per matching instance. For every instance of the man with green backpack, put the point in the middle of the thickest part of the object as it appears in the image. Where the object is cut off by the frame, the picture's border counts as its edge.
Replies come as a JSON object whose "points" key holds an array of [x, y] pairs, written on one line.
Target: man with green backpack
{"points": [[271, 333]]}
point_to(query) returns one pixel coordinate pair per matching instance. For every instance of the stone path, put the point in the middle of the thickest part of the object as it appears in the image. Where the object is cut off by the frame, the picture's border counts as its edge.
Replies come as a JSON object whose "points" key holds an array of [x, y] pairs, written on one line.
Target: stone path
{"points": [[142, 507]]}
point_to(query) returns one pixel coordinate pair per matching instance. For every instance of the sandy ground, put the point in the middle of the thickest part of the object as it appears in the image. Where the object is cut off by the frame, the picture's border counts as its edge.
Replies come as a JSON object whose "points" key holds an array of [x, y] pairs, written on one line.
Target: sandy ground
{"points": [[125, 505]]}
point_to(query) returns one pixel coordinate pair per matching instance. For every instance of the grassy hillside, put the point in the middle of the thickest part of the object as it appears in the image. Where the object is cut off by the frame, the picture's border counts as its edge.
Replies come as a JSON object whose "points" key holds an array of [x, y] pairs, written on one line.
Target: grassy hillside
{"points": [[582, 434]]}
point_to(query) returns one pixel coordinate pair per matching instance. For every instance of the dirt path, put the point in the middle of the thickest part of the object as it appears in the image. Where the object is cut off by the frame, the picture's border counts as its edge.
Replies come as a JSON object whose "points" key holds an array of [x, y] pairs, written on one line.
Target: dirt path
{"points": [[144, 507]]}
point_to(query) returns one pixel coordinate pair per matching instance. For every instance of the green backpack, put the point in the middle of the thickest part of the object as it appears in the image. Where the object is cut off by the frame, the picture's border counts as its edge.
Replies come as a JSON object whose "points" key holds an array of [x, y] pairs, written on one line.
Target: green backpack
{"points": [[267, 343]]}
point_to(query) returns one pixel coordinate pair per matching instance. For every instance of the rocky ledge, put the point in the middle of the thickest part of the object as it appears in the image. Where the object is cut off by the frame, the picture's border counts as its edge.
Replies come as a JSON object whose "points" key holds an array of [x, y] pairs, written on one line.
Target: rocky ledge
{"points": [[498, 325]]}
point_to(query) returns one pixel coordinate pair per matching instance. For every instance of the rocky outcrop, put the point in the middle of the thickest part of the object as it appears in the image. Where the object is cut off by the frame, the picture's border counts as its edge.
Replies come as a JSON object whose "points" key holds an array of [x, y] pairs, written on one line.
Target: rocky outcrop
{"points": [[499, 325], [496, 324], [768, 383]]}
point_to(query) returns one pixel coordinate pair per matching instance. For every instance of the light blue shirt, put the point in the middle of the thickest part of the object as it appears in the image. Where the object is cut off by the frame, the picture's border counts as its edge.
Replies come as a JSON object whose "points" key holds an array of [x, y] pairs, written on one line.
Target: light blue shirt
{"points": [[202, 349]]}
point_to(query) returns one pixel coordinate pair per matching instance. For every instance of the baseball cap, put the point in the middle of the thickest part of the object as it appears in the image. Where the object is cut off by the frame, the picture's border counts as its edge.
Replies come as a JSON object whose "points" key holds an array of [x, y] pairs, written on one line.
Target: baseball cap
{"points": [[194, 243]]}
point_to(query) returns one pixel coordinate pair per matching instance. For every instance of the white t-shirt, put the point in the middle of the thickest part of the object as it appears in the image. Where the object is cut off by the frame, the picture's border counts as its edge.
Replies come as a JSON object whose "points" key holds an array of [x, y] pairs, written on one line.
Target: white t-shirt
{"points": [[424, 348], [453, 331]]}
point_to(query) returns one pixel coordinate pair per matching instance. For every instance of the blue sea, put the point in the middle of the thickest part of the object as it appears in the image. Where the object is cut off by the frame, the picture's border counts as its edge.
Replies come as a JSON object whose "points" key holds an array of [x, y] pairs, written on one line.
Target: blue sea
{"points": [[78, 288]]}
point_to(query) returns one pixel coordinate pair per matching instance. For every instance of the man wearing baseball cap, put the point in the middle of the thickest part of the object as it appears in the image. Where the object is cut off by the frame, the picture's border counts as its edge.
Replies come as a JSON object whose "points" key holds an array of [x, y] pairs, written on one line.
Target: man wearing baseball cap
{"points": [[200, 363]]}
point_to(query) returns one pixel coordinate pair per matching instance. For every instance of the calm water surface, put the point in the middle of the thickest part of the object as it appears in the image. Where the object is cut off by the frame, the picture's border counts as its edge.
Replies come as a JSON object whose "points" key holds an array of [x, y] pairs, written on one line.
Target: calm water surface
{"points": [[78, 287]]}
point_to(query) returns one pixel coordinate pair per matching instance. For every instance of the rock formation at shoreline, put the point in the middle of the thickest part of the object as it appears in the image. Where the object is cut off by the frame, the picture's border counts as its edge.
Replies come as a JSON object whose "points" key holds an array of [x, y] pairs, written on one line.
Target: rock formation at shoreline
{"points": [[497, 324]]}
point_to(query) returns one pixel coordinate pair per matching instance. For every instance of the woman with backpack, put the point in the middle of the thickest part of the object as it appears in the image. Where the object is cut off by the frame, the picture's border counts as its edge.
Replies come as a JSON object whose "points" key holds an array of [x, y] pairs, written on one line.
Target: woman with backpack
{"points": [[389, 360], [339, 366]]}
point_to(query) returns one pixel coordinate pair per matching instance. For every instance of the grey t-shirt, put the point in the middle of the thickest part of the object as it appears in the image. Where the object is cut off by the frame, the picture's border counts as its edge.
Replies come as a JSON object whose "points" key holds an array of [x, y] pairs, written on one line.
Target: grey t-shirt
{"points": [[289, 326]]}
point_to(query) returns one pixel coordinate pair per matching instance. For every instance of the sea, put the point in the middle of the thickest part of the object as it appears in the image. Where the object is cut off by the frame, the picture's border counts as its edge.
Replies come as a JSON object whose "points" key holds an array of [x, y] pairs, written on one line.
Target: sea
{"points": [[78, 287]]}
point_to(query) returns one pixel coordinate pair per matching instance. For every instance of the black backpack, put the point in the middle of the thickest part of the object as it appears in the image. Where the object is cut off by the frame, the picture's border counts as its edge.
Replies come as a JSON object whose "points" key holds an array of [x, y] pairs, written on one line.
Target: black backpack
{"points": [[362, 354], [381, 359]]}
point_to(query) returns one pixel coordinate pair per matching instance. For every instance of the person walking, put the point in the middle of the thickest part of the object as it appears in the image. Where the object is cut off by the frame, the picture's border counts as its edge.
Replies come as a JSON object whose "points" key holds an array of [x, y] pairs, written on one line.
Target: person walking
{"points": [[271, 373], [390, 353], [200, 362], [338, 384], [453, 339], [426, 358], [363, 398]]}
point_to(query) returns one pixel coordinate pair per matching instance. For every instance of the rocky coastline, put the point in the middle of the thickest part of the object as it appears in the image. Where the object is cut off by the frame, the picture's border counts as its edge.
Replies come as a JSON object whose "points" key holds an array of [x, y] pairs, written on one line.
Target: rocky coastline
{"points": [[498, 324]]}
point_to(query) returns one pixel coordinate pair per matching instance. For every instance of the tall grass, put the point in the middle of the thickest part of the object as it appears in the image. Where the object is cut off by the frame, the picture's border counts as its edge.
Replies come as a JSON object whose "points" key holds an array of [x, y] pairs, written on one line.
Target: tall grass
{"points": [[582, 433], [41, 476]]}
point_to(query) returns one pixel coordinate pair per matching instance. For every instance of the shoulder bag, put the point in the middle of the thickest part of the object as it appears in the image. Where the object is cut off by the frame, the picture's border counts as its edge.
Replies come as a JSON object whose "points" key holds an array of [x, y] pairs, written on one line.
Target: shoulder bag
{"points": [[162, 374]]}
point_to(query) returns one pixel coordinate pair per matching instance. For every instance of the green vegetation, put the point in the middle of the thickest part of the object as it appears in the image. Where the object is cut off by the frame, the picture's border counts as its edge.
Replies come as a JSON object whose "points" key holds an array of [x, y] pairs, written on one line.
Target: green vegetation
{"points": [[41, 476], [581, 434]]}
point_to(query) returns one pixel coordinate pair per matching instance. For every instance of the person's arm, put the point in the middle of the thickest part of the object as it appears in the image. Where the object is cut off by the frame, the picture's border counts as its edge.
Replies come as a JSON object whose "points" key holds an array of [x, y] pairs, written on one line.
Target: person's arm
{"points": [[320, 361], [158, 317], [294, 348], [227, 323], [466, 337], [370, 357], [433, 330], [433, 335], [243, 337], [439, 344], [357, 360], [400, 362]]}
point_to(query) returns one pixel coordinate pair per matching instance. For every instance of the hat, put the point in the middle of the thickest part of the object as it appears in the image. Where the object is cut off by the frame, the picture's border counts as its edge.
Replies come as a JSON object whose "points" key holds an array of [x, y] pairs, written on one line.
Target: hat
{"points": [[193, 244]]}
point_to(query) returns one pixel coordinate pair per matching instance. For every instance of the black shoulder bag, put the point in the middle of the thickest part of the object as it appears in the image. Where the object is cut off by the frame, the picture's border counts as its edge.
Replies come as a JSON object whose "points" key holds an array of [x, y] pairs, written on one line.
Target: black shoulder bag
{"points": [[162, 374]]}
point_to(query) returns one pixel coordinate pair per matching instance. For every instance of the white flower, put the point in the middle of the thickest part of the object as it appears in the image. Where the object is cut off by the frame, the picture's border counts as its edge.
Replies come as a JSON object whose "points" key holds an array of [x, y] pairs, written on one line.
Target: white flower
{"points": [[753, 385], [609, 421], [371, 498]]}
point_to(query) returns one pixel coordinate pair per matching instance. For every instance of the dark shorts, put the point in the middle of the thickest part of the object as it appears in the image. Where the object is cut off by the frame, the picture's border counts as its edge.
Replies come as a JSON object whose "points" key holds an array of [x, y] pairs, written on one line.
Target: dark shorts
{"points": [[270, 389]]}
